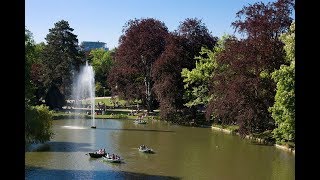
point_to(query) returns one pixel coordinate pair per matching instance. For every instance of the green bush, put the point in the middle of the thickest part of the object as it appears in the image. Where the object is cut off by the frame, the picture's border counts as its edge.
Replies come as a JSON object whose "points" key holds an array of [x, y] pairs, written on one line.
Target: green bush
{"points": [[38, 123]]}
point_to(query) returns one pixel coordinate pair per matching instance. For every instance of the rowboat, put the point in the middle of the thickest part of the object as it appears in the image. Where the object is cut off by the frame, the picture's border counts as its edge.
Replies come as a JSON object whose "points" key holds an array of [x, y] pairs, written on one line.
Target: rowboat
{"points": [[112, 160], [140, 122], [146, 150], [96, 155]]}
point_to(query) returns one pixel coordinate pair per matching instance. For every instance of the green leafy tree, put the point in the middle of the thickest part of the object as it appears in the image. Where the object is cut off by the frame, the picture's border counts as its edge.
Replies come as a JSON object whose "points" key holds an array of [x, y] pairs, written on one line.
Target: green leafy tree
{"points": [[102, 61], [61, 58], [37, 118], [197, 80], [38, 123], [29, 58], [283, 110]]}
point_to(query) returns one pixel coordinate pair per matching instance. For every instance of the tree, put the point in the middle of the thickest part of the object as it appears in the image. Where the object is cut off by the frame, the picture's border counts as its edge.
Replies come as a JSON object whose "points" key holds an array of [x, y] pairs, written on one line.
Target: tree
{"points": [[245, 89], [29, 58], [61, 57], [37, 118], [196, 81], [102, 61], [168, 85], [181, 48], [37, 71], [283, 110], [38, 124], [141, 44]]}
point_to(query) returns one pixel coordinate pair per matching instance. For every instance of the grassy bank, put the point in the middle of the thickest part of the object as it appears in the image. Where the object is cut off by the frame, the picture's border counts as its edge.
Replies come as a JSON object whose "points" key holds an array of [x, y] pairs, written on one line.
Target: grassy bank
{"points": [[263, 138], [109, 114]]}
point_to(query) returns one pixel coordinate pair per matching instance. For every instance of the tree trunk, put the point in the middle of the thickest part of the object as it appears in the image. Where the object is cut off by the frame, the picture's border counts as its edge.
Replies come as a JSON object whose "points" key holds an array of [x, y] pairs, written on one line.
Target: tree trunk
{"points": [[148, 89]]}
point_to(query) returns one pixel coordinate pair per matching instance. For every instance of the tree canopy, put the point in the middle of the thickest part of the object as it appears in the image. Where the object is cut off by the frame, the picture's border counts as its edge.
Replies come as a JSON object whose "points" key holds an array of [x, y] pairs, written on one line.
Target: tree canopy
{"points": [[245, 89], [102, 62], [196, 81], [141, 44], [283, 110], [61, 57], [181, 47], [37, 118]]}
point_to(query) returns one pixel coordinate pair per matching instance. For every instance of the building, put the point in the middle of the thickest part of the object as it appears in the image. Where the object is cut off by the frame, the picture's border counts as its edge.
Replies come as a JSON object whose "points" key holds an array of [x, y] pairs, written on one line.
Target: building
{"points": [[89, 45]]}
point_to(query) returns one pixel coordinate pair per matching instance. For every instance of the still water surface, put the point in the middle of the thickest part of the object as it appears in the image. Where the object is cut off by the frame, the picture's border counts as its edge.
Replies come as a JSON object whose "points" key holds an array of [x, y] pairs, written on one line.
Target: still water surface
{"points": [[180, 153]]}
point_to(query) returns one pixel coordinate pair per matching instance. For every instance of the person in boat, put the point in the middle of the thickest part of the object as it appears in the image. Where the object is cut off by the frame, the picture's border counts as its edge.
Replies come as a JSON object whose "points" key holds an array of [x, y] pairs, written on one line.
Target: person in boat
{"points": [[143, 146], [112, 156]]}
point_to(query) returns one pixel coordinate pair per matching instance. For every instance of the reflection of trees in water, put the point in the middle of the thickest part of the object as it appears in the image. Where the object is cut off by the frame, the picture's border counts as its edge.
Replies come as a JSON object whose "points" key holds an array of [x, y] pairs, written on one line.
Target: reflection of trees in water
{"points": [[283, 167]]}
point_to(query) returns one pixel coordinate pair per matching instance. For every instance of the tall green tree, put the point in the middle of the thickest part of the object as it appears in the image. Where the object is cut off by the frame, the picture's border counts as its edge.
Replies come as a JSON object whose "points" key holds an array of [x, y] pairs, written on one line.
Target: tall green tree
{"points": [[61, 59], [102, 62], [283, 110], [29, 59], [36, 74], [196, 81], [38, 119]]}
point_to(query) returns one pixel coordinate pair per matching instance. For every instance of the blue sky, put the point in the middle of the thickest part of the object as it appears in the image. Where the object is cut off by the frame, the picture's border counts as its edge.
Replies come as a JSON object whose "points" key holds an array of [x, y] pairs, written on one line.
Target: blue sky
{"points": [[102, 20]]}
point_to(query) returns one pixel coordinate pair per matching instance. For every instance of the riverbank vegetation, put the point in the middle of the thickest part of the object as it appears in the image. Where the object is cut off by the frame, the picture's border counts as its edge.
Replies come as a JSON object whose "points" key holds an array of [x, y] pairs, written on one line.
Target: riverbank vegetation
{"points": [[189, 75]]}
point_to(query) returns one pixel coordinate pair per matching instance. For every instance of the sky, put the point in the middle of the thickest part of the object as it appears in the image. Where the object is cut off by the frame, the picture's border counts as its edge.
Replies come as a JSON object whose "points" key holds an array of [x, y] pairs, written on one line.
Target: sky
{"points": [[103, 20]]}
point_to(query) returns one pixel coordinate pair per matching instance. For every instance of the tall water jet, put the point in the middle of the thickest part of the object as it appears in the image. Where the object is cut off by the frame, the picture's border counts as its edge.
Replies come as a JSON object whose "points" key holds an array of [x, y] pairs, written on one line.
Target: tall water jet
{"points": [[84, 89]]}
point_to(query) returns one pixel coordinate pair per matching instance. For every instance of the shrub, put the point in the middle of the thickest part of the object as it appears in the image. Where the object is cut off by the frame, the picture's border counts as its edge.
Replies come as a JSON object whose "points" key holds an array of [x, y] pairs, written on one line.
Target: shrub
{"points": [[38, 123]]}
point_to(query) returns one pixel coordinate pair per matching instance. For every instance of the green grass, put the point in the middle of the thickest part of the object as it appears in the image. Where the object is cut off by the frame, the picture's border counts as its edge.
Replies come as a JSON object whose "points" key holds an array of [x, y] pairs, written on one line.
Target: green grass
{"points": [[109, 102], [111, 114]]}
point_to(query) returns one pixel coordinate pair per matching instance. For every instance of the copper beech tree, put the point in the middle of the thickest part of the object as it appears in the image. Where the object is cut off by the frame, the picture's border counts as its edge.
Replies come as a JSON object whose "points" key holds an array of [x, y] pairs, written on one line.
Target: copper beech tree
{"points": [[181, 48], [141, 44], [244, 91]]}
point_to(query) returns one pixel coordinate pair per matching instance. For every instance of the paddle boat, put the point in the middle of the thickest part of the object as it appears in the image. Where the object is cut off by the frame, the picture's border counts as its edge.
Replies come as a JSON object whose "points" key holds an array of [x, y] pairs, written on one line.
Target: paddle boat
{"points": [[112, 158], [138, 121], [145, 149], [97, 154]]}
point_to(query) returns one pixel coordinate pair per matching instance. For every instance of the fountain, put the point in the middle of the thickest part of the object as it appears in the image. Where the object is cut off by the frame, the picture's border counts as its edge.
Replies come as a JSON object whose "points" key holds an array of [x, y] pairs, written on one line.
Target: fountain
{"points": [[84, 89]]}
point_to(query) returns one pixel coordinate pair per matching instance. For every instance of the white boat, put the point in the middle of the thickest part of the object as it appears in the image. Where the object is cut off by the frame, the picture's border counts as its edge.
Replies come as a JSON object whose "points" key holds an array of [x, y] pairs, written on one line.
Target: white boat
{"points": [[113, 160], [140, 122], [146, 150]]}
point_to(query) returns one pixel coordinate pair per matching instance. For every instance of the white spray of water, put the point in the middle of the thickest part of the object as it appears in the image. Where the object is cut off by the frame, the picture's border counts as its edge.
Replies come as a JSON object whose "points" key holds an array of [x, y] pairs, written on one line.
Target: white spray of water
{"points": [[84, 88]]}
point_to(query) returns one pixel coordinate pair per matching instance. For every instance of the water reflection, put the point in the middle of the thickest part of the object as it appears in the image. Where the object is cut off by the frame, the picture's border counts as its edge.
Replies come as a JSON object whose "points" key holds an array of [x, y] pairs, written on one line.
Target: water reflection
{"points": [[180, 153], [43, 173]]}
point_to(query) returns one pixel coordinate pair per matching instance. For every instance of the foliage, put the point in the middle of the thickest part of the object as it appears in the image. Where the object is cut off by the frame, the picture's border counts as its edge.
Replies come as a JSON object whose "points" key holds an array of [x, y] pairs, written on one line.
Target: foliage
{"points": [[102, 61], [181, 48], [243, 92], [141, 44], [38, 123], [37, 71], [61, 57], [197, 80], [29, 57], [283, 110]]}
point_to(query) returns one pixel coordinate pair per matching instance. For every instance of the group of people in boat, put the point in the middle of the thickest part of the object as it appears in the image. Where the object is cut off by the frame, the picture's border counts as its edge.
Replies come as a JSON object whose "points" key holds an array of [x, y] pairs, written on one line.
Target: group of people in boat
{"points": [[112, 156], [101, 151], [140, 121], [142, 147]]}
